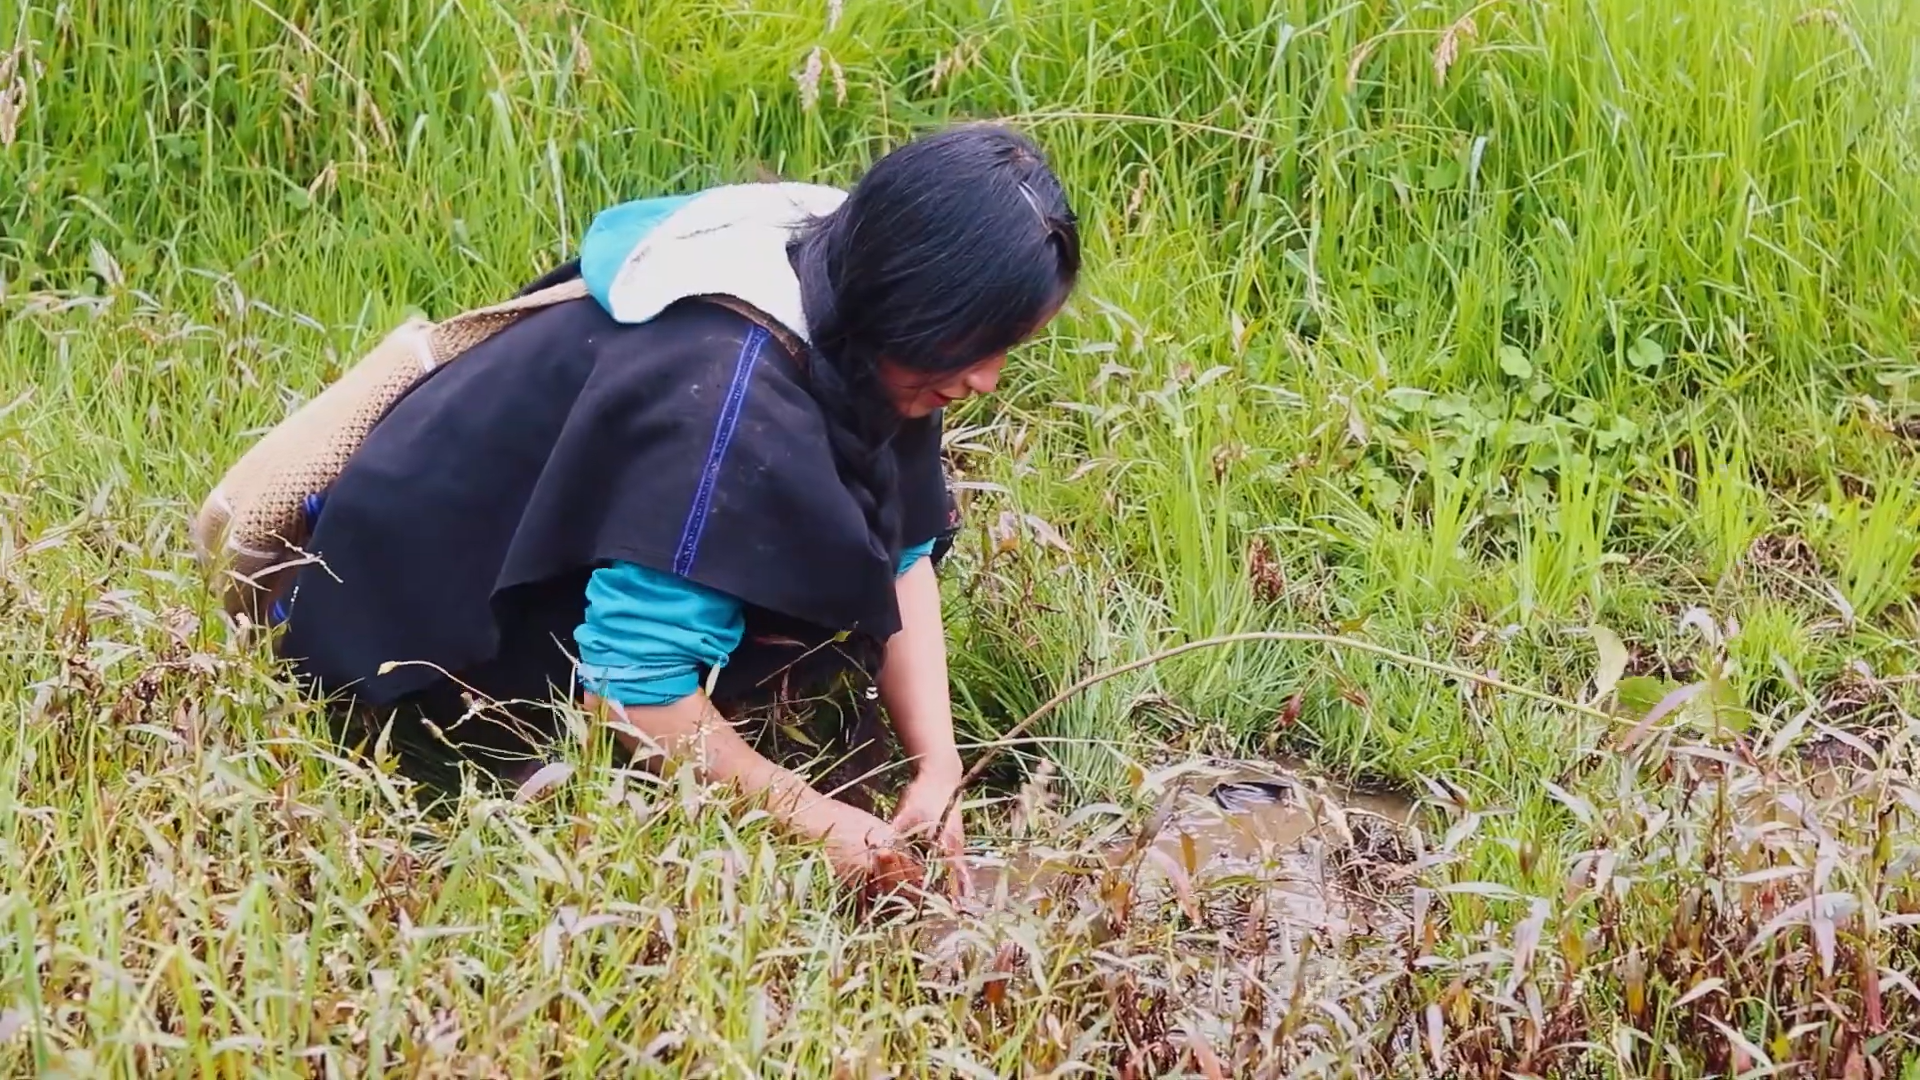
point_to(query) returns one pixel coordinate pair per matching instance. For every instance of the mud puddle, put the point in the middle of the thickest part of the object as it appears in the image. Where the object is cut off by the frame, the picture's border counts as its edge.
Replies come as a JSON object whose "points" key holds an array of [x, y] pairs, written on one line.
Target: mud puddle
{"points": [[1297, 852]]}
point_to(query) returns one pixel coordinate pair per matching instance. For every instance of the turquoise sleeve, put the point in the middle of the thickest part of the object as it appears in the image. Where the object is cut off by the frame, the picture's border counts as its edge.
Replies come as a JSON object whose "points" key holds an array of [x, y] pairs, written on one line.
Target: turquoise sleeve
{"points": [[649, 636], [909, 556]]}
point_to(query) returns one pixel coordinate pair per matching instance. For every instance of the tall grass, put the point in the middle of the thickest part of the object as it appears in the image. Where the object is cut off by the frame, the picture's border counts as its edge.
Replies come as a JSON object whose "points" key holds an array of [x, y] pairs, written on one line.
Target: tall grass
{"points": [[1460, 327]]}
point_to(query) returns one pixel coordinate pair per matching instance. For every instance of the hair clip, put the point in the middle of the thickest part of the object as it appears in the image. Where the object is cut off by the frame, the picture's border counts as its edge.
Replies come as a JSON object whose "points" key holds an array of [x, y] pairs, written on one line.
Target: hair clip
{"points": [[1034, 201]]}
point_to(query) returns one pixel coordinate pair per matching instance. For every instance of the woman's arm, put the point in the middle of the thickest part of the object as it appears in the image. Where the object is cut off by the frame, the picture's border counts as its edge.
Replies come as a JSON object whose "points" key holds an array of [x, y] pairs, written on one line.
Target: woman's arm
{"points": [[913, 681], [646, 638], [913, 688], [691, 729]]}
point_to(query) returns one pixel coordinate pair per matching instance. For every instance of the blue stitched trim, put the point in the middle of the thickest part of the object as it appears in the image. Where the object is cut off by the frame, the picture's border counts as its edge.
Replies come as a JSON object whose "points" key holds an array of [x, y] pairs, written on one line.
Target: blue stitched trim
{"points": [[722, 435], [310, 506]]}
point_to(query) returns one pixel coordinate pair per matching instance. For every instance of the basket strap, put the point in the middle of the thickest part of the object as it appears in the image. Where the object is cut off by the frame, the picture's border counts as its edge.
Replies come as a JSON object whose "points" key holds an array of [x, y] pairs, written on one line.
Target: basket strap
{"points": [[570, 289], [788, 340], [458, 333]]}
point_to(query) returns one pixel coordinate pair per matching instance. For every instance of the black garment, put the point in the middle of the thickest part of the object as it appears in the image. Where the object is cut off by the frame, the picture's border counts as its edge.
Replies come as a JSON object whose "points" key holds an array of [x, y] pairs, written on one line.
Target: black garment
{"points": [[453, 551]]}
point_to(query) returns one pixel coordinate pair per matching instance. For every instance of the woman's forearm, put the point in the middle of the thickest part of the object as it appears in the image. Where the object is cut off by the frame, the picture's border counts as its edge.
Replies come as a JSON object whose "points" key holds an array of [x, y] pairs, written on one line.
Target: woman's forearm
{"points": [[859, 845], [913, 682], [691, 729]]}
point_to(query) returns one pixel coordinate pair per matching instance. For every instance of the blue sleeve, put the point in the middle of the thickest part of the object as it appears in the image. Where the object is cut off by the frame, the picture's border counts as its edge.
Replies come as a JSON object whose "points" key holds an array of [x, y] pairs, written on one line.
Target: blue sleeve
{"points": [[909, 556], [648, 635]]}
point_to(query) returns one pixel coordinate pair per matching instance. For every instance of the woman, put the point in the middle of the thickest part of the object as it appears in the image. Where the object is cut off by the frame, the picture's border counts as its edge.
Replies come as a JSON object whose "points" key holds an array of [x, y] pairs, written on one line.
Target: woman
{"points": [[707, 490]]}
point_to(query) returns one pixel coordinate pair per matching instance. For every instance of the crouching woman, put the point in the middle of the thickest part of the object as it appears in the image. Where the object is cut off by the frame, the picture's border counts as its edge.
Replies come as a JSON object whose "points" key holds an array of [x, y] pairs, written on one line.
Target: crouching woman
{"points": [[707, 490]]}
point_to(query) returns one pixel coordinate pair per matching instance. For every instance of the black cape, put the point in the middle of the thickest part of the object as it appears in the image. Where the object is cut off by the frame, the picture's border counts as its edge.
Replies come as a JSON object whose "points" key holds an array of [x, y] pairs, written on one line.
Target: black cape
{"points": [[453, 550]]}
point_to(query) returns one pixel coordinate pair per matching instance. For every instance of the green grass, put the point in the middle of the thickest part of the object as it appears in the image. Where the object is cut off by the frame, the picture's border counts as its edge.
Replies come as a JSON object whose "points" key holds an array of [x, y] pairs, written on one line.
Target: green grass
{"points": [[1481, 326]]}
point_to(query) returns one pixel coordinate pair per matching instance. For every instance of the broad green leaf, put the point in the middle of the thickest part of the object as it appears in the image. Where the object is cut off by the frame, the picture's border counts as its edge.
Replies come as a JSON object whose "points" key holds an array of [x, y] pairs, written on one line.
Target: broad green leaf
{"points": [[1443, 177], [1646, 353], [1407, 398], [1620, 431], [1515, 363], [1640, 693]]}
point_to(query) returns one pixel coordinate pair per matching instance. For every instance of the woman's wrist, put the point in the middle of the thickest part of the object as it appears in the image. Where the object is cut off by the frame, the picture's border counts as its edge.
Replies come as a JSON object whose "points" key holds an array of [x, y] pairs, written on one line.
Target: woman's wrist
{"points": [[940, 766]]}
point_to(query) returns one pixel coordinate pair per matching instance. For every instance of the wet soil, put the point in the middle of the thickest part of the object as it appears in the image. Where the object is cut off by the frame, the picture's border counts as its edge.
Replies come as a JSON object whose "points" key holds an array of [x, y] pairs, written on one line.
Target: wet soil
{"points": [[1302, 852]]}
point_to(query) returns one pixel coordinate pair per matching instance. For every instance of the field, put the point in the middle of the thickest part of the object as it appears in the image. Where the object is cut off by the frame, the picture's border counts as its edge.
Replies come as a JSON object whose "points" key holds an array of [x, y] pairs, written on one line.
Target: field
{"points": [[1566, 346]]}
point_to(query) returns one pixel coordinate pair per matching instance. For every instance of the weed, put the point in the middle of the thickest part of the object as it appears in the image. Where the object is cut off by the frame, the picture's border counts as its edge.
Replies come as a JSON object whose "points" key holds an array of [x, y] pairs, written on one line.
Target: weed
{"points": [[1457, 331]]}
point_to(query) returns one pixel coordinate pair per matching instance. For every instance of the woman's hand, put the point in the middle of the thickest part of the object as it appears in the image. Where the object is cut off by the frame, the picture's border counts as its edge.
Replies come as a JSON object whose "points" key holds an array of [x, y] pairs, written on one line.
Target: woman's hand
{"points": [[913, 687], [919, 814], [863, 849]]}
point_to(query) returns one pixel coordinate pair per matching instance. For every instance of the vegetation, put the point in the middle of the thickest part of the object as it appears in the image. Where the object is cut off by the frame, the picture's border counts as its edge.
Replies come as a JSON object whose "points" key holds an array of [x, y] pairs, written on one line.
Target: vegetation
{"points": [[1564, 344]]}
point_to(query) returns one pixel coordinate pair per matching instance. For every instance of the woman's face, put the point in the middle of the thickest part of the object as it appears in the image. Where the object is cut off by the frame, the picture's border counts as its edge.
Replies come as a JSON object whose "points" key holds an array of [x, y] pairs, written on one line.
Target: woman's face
{"points": [[916, 394]]}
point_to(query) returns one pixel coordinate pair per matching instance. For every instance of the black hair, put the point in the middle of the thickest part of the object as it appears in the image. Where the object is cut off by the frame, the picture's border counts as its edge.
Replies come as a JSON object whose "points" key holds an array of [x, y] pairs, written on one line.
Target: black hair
{"points": [[950, 250]]}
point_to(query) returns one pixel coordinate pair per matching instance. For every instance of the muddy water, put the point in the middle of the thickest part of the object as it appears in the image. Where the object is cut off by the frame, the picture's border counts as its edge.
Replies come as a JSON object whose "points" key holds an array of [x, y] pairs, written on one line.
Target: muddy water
{"points": [[1273, 827], [1247, 885]]}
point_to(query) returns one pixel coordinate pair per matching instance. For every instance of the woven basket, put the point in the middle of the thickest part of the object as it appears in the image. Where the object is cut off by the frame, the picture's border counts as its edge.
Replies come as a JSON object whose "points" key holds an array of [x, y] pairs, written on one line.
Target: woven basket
{"points": [[251, 528]]}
